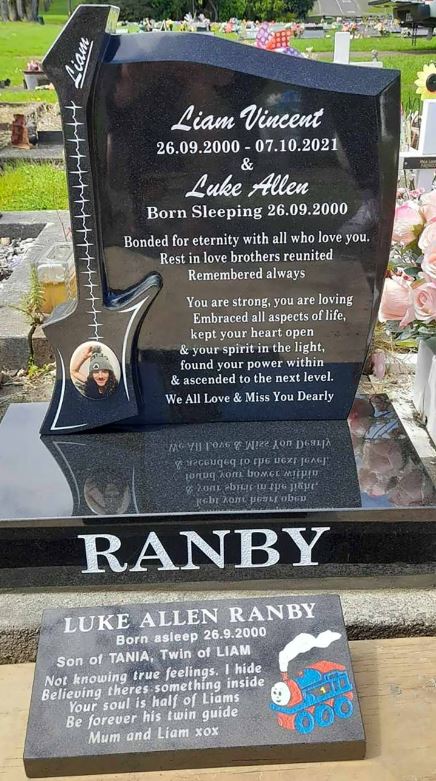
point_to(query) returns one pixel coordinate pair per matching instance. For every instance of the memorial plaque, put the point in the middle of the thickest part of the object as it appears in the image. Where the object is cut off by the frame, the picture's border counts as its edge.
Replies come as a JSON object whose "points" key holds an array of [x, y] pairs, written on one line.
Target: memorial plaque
{"points": [[192, 684], [231, 215], [419, 162]]}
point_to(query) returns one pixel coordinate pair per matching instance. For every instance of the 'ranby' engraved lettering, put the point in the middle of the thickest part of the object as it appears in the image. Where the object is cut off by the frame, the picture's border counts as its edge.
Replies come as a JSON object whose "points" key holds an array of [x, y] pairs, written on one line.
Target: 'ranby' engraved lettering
{"points": [[258, 548]]}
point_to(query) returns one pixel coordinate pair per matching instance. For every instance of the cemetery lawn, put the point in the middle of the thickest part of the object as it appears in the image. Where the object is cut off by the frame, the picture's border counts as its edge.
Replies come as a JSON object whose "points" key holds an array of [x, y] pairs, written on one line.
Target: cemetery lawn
{"points": [[409, 67], [388, 43], [19, 43], [32, 187], [58, 11], [22, 41]]}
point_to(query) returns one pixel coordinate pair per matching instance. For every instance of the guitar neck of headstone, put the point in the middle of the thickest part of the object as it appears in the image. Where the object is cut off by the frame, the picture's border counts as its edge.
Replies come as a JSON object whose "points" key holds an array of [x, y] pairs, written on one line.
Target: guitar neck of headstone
{"points": [[72, 65], [73, 60], [82, 205]]}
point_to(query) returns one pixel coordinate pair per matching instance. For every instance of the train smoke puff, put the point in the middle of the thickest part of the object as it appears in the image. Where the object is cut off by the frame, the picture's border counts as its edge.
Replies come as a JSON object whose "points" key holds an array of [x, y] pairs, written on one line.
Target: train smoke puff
{"points": [[303, 643]]}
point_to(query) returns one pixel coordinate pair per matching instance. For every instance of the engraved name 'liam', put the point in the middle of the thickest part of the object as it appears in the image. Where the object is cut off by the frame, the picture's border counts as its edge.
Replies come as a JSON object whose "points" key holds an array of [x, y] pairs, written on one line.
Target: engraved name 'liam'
{"points": [[254, 117], [78, 64]]}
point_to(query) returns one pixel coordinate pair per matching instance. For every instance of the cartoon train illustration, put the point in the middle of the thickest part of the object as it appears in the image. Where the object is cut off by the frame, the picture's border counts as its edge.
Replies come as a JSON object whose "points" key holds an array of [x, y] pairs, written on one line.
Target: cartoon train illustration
{"points": [[316, 696]]}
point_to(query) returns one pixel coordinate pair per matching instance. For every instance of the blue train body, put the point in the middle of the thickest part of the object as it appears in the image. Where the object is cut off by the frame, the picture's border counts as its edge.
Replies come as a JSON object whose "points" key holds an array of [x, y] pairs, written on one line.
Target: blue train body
{"points": [[320, 697]]}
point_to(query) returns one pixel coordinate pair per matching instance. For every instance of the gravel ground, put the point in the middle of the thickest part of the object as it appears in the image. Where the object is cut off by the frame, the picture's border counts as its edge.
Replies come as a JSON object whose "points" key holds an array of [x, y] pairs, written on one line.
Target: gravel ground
{"points": [[47, 118], [16, 388], [12, 252]]}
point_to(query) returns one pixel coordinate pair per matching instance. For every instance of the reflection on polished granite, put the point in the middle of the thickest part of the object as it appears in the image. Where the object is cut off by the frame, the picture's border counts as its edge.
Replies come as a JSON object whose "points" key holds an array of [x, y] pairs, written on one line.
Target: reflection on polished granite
{"points": [[211, 469]]}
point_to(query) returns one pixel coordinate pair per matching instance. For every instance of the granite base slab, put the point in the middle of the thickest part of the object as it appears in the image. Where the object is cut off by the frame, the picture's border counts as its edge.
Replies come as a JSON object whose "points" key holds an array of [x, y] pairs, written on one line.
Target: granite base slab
{"points": [[237, 501]]}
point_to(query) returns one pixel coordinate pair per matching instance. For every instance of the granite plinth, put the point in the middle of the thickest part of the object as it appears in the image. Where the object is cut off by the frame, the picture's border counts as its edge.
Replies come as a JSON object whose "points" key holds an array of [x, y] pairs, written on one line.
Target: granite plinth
{"points": [[147, 686], [213, 501]]}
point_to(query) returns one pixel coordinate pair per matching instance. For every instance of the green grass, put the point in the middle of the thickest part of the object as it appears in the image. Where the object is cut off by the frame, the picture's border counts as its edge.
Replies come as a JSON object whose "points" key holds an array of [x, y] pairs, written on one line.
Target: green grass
{"points": [[33, 186], [55, 18], [391, 43], [20, 41], [28, 96], [228, 36], [409, 67], [58, 10], [387, 43], [407, 60]]}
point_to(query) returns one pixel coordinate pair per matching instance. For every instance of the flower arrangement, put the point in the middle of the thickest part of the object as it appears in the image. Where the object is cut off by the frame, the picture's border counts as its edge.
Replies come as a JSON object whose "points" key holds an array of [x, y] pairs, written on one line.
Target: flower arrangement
{"points": [[34, 66], [350, 27], [408, 304], [426, 82], [386, 465]]}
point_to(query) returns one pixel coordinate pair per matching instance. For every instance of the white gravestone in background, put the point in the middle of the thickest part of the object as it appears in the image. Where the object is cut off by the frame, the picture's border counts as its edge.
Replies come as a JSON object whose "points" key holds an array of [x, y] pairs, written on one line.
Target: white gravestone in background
{"points": [[424, 392], [341, 54], [427, 143]]}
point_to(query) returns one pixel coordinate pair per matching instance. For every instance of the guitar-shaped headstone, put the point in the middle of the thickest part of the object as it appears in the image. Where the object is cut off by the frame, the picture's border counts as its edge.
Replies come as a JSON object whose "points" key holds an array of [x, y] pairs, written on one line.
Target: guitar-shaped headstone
{"points": [[94, 336]]}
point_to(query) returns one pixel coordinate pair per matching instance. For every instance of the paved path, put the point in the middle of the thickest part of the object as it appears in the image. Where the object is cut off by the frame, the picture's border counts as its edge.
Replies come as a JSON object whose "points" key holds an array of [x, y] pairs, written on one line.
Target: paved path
{"points": [[340, 8], [41, 153]]}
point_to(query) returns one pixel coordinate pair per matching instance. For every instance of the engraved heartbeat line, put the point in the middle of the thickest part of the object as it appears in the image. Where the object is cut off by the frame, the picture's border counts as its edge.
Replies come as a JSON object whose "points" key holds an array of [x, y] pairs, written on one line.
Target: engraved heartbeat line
{"points": [[83, 217]]}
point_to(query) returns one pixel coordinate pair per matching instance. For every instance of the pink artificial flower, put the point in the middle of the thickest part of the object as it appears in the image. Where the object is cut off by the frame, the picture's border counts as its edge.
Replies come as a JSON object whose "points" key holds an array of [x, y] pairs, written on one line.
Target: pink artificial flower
{"points": [[428, 265], [361, 410], [408, 223], [394, 300], [414, 488], [372, 483], [415, 193], [382, 461], [427, 237], [383, 456], [409, 315], [428, 205], [425, 301]]}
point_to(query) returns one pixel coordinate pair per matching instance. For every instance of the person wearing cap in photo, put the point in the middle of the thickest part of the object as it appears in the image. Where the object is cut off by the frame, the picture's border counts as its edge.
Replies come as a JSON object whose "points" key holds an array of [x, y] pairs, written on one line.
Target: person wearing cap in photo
{"points": [[100, 380]]}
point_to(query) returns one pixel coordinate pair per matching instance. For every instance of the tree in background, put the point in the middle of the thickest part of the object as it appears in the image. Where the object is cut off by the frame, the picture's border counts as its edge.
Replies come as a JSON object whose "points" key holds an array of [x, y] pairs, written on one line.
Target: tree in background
{"points": [[265, 10], [17, 10], [216, 10], [277, 10], [169, 9], [299, 8], [229, 9]]}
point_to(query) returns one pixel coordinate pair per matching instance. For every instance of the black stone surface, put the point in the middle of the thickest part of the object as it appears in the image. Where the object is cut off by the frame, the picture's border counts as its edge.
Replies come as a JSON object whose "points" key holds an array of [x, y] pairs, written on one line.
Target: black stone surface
{"points": [[335, 547], [95, 316], [188, 242], [270, 500], [367, 463], [159, 685]]}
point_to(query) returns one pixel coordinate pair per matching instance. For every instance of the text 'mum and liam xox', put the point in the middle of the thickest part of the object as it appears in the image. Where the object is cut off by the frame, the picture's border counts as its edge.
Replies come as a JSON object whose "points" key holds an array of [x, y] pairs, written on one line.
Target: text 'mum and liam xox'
{"points": [[231, 217]]}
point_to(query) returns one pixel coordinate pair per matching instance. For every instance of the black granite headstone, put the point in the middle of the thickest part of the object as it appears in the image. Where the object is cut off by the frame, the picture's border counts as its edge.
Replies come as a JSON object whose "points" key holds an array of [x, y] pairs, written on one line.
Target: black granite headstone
{"points": [[231, 215], [150, 686]]}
